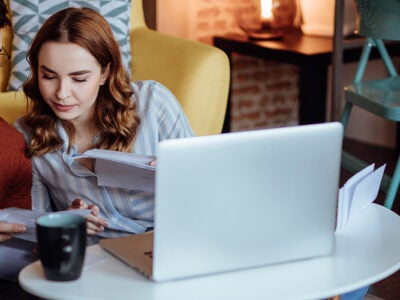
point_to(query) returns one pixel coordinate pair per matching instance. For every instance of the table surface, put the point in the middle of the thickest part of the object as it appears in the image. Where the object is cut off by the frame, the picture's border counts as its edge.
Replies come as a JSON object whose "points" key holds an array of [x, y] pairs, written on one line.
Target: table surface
{"points": [[294, 47], [366, 251]]}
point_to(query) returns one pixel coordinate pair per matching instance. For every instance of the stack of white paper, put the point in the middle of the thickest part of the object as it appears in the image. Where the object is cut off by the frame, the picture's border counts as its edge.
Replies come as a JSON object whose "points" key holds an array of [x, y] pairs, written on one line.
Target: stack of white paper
{"points": [[357, 193], [123, 170]]}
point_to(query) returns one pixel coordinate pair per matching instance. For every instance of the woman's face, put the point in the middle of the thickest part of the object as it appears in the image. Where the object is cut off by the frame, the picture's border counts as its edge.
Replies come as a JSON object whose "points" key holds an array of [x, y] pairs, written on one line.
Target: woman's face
{"points": [[69, 80]]}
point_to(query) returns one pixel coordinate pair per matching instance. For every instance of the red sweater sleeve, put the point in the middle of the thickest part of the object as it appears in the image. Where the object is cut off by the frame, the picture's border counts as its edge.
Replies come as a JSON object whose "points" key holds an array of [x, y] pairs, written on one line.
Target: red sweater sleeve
{"points": [[15, 169]]}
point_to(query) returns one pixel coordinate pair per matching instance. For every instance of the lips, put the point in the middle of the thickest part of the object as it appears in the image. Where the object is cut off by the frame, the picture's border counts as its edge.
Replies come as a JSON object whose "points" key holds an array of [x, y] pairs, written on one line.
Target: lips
{"points": [[63, 108]]}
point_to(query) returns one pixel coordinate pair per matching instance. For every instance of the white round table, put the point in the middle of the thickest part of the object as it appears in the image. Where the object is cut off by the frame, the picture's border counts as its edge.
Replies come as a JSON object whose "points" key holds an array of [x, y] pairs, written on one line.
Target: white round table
{"points": [[367, 251]]}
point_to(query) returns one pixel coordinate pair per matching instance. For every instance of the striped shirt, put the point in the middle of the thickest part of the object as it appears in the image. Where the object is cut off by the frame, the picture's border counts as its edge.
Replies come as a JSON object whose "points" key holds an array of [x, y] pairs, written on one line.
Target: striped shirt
{"points": [[58, 179]]}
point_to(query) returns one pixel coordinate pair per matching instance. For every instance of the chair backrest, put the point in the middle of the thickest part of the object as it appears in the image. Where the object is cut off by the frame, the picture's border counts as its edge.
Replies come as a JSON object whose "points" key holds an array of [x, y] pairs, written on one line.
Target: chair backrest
{"points": [[7, 36], [378, 21], [196, 73], [137, 15]]}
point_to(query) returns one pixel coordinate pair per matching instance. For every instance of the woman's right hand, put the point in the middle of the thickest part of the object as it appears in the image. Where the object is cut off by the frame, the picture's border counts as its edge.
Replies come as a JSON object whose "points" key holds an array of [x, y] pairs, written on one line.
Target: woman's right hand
{"points": [[94, 223]]}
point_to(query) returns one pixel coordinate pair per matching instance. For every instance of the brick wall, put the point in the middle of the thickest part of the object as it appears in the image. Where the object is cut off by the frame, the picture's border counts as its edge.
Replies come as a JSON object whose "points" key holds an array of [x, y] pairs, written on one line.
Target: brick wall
{"points": [[264, 93]]}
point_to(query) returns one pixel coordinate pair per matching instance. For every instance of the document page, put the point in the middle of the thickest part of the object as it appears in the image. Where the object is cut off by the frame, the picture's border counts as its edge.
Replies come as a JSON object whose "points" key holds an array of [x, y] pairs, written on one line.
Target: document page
{"points": [[124, 170], [28, 218], [358, 193], [138, 160]]}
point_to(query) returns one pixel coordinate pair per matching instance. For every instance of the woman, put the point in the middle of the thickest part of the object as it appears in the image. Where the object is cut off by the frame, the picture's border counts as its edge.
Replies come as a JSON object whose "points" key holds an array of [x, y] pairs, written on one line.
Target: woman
{"points": [[82, 98]]}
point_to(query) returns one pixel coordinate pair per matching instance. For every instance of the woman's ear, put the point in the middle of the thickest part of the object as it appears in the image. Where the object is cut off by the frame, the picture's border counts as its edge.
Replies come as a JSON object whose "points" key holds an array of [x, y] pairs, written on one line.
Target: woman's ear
{"points": [[105, 74]]}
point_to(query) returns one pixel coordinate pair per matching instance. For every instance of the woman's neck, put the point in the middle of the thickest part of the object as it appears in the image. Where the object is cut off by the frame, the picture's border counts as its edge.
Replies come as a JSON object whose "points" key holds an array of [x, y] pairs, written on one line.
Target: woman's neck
{"points": [[84, 135], [83, 140]]}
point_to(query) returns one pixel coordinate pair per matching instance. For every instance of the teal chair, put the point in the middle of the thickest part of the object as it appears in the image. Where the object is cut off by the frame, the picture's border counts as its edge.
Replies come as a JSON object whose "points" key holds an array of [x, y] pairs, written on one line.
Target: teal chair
{"points": [[378, 21]]}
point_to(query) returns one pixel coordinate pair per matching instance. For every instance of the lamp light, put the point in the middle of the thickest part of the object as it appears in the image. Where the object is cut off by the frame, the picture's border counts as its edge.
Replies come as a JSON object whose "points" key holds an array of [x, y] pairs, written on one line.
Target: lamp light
{"points": [[266, 19]]}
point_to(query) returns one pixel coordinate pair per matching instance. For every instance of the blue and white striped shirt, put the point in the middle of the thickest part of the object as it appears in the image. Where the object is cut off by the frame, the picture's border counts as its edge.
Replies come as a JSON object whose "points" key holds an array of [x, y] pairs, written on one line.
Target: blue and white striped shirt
{"points": [[59, 179]]}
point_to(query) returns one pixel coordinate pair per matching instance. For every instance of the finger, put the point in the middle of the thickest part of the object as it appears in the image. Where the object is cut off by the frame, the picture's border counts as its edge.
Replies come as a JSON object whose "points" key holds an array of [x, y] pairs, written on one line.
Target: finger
{"points": [[97, 220], [7, 228], [4, 237], [95, 209], [153, 163], [94, 228], [91, 232]]}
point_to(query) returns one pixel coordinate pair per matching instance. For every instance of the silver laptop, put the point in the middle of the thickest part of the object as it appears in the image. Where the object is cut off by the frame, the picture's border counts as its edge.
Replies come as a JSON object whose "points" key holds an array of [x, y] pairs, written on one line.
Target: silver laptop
{"points": [[239, 200]]}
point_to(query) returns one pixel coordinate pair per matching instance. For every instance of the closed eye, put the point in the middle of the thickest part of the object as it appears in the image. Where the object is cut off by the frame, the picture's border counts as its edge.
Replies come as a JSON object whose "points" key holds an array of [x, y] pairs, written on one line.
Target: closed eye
{"points": [[78, 76], [49, 77], [80, 79]]}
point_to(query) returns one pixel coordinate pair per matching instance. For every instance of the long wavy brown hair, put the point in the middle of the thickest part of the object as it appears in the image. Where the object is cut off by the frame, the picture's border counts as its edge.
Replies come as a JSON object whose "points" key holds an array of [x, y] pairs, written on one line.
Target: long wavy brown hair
{"points": [[115, 111], [4, 18]]}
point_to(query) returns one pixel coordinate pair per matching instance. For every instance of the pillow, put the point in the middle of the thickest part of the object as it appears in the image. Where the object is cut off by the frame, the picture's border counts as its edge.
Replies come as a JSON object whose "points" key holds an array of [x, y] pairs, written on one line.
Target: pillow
{"points": [[28, 16]]}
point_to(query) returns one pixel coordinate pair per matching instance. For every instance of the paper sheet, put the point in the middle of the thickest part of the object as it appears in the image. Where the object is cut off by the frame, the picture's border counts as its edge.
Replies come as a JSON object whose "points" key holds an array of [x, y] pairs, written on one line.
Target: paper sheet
{"points": [[346, 194], [358, 193], [366, 191], [28, 218], [123, 170]]}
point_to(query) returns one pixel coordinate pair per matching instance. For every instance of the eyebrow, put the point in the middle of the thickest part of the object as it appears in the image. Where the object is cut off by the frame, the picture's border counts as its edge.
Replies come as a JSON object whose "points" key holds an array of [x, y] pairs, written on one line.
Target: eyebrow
{"points": [[80, 72]]}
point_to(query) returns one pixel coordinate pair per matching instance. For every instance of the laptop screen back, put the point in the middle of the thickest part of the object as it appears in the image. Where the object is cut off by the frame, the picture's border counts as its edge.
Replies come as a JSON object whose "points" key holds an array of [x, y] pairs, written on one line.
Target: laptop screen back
{"points": [[246, 199]]}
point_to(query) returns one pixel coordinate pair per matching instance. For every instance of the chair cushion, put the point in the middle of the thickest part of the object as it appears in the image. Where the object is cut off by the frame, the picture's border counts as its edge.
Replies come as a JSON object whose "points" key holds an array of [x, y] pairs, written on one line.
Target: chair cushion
{"points": [[28, 16]]}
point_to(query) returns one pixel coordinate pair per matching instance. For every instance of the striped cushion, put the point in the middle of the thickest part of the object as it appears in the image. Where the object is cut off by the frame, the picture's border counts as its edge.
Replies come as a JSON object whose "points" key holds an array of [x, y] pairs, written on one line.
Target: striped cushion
{"points": [[28, 16]]}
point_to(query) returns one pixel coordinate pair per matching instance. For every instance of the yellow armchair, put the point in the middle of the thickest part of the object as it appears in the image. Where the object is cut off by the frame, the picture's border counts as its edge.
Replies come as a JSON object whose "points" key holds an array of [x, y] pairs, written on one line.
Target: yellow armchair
{"points": [[197, 74], [12, 105]]}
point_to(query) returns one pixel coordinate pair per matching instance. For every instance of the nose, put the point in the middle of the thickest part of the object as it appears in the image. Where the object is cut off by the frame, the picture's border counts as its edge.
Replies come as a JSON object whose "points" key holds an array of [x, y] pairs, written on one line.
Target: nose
{"points": [[62, 91]]}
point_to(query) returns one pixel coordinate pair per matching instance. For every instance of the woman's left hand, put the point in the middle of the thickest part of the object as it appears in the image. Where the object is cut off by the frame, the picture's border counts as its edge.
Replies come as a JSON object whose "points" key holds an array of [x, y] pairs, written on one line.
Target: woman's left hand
{"points": [[94, 223]]}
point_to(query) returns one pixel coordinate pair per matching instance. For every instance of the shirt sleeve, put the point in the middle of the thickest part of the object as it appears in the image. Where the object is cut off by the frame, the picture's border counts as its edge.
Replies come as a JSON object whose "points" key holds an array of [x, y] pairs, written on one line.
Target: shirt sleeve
{"points": [[40, 195], [158, 103], [174, 124]]}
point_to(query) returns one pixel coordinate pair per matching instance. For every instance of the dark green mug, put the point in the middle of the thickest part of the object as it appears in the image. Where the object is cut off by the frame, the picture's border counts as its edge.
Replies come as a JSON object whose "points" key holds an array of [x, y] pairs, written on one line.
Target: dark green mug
{"points": [[61, 241]]}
